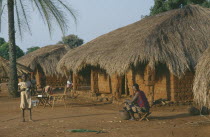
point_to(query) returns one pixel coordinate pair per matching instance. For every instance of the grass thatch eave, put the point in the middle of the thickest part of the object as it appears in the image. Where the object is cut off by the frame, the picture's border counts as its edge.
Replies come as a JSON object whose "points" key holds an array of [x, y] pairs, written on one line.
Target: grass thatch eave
{"points": [[4, 68], [201, 86], [176, 38], [46, 57]]}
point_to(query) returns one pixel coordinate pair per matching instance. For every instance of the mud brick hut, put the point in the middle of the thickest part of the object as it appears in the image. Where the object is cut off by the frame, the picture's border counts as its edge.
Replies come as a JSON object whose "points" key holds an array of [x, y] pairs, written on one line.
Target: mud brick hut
{"points": [[4, 74], [43, 62], [158, 52], [201, 86]]}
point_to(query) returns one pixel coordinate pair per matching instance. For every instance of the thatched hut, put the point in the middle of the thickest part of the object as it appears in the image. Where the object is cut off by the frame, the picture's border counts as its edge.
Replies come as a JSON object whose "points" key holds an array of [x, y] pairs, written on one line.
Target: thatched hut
{"points": [[201, 86], [4, 71], [43, 62], [157, 52]]}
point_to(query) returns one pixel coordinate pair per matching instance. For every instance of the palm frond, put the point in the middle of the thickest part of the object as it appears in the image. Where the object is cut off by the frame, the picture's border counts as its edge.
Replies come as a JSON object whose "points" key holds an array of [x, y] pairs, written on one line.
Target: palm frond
{"points": [[18, 20], [52, 11], [57, 14], [71, 11], [22, 7], [1, 11], [37, 5]]}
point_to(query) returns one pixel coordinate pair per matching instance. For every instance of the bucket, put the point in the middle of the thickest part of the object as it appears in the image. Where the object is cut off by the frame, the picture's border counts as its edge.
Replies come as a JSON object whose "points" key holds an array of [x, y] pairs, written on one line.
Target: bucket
{"points": [[124, 115], [34, 102]]}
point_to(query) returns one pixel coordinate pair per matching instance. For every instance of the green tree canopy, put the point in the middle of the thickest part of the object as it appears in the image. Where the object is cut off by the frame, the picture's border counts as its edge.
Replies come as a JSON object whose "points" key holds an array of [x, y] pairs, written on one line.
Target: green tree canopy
{"points": [[2, 41], [31, 49], [72, 40], [166, 5], [4, 51]]}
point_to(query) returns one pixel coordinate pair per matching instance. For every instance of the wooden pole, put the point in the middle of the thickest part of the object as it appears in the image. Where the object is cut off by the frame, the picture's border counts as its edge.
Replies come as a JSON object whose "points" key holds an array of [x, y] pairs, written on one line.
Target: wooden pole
{"points": [[94, 81], [126, 86], [75, 84], [150, 82]]}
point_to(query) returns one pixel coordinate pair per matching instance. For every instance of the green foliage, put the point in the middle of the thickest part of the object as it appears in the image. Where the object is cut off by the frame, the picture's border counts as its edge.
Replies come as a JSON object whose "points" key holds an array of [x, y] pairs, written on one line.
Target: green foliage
{"points": [[31, 49], [166, 5], [4, 51], [72, 40], [2, 41]]}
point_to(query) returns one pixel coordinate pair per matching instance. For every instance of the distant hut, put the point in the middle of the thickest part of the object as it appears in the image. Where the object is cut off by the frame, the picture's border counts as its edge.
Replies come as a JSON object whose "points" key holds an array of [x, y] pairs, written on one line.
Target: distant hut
{"points": [[201, 86], [157, 52], [4, 71], [43, 62]]}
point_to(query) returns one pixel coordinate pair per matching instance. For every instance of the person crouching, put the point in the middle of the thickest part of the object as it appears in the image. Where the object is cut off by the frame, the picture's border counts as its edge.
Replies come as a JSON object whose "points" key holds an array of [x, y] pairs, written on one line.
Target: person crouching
{"points": [[138, 104]]}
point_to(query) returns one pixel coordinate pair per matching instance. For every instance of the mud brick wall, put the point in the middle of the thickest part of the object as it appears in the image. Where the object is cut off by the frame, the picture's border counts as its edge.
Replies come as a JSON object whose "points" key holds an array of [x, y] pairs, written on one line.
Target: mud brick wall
{"points": [[113, 83], [181, 89], [117, 85], [160, 86], [130, 81], [103, 83], [4, 89], [139, 79], [160, 89], [166, 86], [135, 78], [56, 81]]}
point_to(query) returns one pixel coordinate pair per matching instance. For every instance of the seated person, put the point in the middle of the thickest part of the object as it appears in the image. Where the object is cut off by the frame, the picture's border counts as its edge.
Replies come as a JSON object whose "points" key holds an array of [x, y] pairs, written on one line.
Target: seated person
{"points": [[69, 85], [138, 104], [47, 89]]}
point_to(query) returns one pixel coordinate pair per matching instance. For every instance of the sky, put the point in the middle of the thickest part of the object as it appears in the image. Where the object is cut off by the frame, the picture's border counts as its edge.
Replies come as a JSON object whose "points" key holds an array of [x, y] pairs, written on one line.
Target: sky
{"points": [[94, 17]]}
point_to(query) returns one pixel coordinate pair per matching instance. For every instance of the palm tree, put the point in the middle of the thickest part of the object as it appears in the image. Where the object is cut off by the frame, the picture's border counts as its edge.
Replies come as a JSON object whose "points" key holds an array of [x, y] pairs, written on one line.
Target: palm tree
{"points": [[18, 10]]}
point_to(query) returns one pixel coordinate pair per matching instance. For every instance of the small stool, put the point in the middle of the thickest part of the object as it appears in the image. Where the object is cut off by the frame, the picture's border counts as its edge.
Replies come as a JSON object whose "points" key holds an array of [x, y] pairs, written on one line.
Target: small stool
{"points": [[143, 116]]}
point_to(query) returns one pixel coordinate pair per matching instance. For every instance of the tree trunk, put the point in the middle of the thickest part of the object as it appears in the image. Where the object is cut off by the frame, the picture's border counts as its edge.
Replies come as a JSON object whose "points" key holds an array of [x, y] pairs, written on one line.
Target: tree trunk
{"points": [[13, 80]]}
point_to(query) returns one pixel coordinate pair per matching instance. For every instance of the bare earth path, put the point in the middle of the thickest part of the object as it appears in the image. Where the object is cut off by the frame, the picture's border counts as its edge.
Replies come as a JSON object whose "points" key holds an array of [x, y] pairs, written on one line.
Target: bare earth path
{"points": [[84, 114]]}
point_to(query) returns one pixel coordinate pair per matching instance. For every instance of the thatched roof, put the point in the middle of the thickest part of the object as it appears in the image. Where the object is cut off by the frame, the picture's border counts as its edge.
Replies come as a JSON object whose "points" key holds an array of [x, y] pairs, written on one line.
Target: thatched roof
{"points": [[46, 57], [176, 38], [201, 87], [4, 68]]}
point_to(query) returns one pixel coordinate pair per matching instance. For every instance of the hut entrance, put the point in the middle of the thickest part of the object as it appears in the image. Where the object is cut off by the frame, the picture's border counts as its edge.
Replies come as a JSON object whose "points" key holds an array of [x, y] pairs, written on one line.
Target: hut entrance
{"points": [[84, 79]]}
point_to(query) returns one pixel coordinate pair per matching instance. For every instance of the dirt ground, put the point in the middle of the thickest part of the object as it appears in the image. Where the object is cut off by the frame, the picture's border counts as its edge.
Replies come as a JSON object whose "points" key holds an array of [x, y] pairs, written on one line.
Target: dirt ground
{"points": [[85, 114]]}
